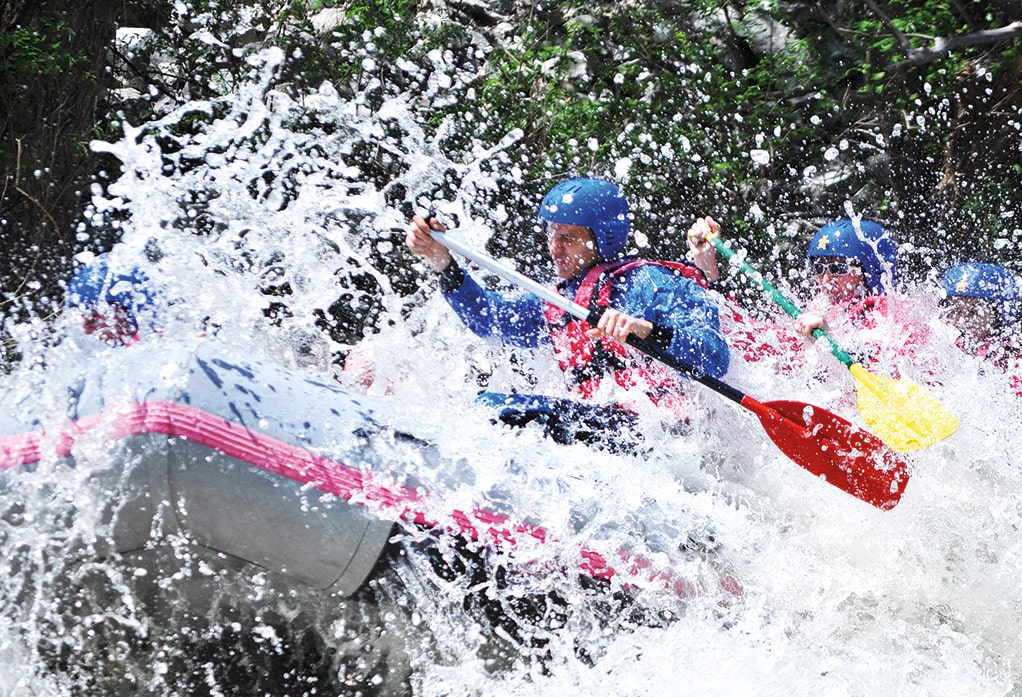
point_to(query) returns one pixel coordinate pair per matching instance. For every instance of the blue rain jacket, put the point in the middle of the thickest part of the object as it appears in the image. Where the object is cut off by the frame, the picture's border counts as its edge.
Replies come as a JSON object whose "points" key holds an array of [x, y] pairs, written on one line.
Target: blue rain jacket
{"points": [[648, 292]]}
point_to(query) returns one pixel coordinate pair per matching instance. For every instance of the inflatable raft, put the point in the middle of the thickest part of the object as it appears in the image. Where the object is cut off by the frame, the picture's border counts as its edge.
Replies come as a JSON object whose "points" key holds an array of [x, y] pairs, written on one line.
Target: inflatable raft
{"points": [[258, 464]]}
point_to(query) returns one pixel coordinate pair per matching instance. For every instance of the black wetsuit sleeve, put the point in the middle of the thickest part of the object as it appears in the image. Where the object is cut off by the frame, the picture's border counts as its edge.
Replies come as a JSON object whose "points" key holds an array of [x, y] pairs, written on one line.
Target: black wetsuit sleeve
{"points": [[451, 277], [661, 336]]}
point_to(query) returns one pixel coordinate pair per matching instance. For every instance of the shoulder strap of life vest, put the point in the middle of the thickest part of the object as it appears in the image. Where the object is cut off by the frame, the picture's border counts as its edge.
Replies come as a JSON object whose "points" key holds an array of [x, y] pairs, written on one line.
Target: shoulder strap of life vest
{"points": [[597, 279]]}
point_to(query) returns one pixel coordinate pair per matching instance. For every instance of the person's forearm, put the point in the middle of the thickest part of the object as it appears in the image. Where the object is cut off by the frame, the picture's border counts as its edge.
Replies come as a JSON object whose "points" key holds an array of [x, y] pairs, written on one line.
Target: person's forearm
{"points": [[517, 321]]}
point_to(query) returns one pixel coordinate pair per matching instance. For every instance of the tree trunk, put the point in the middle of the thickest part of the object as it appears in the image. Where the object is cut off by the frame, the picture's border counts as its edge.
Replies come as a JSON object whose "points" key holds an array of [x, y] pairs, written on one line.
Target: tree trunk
{"points": [[53, 55]]}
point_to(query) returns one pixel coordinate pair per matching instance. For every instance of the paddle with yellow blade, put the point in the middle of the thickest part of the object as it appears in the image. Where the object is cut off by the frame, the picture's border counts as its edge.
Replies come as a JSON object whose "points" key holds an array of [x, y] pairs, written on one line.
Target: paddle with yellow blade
{"points": [[900, 412]]}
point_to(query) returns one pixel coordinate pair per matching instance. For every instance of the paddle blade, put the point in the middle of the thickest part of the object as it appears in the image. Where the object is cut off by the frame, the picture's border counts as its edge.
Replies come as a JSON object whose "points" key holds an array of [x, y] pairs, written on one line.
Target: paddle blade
{"points": [[836, 450], [901, 412]]}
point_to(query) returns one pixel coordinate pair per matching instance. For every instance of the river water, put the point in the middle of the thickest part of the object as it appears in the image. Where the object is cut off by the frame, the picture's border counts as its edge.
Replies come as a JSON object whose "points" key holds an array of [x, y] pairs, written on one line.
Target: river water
{"points": [[839, 598]]}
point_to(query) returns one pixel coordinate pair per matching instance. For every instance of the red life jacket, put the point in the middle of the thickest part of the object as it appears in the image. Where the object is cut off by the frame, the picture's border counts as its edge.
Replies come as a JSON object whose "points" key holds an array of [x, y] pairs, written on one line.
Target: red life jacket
{"points": [[863, 312], [758, 339], [888, 335], [586, 361]]}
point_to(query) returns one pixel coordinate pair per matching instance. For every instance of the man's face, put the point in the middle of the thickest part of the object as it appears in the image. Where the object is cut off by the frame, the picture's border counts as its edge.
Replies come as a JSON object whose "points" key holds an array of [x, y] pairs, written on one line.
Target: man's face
{"points": [[572, 247], [840, 279], [975, 318]]}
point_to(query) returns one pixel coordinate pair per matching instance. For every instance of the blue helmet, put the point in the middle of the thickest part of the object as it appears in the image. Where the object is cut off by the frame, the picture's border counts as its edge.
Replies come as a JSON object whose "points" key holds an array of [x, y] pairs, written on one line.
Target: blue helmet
{"points": [[593, 203], [867, 242], [95, 285], [988, 281]]}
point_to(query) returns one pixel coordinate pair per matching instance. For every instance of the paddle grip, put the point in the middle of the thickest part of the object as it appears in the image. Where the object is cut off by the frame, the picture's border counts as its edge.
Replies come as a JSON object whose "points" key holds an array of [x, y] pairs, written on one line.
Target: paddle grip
{"points": [[659, 353]]}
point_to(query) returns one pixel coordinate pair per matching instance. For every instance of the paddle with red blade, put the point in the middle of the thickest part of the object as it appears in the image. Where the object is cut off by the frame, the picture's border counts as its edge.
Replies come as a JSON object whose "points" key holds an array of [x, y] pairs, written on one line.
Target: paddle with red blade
{"points": [[823, 443]]}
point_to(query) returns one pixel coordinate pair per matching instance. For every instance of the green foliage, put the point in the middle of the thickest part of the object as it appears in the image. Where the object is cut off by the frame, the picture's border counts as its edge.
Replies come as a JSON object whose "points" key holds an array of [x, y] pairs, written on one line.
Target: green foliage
{"points": [[30, 56], [839, 114], [36, 51], [378, 28], [591, 91]]}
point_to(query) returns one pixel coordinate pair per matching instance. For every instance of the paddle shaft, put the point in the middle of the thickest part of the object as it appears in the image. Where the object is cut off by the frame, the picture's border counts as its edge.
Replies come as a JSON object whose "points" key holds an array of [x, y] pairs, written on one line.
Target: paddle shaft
{"points": [[776, 295], [900, 412]]}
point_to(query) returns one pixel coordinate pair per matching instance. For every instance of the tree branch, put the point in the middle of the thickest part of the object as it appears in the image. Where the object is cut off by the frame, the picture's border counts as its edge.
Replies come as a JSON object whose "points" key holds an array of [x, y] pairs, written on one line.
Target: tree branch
{"points": [[902, 40], [145, 75], [943, 45]]}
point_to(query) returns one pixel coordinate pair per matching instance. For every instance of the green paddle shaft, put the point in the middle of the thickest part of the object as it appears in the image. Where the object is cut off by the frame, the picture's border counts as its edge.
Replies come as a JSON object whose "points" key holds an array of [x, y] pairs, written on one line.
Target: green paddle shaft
{"points": [[776, 295], [901, 413]]}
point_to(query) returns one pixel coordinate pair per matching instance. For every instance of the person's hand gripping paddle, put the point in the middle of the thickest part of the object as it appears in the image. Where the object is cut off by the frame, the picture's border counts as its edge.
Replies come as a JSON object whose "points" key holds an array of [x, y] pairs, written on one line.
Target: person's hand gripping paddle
{"points": [[823, 443], [901, 412]]}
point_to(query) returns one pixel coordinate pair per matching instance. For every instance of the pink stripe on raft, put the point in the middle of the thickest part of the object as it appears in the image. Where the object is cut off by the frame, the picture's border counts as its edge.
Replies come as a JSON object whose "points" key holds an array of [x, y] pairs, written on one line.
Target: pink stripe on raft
{"points": [[265, 452], [303, 467]]}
